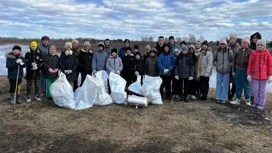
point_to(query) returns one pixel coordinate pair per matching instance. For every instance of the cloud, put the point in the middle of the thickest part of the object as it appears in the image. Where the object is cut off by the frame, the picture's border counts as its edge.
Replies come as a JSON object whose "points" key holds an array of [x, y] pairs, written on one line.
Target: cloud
{"points": [[133, 19]]}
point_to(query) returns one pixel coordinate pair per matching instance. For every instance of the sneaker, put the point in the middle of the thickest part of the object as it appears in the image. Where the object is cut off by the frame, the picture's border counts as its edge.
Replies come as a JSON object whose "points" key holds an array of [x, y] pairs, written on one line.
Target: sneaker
{"points": [[42, 94], [218, 101], [236, 102], [28, 99], [223, 101], [193, 97], [248, 103], [37, 98]]}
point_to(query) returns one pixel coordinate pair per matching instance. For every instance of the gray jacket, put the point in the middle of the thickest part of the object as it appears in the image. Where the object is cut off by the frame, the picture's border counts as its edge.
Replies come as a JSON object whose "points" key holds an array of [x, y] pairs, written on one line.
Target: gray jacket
{"points": [[223, 60], [114, 64], [44, 49]]}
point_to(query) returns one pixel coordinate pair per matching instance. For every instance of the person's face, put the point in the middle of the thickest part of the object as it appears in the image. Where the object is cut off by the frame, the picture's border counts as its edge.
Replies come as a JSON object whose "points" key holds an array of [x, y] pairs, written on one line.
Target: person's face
{"points": [[147, 50], [176, 53], [138, 57], [45, 42], [152, 54], [16, 51], [260, 47], [232, 40], [107, 43], [74, 45], [128, 52], [113, 54], [255, 39], [204, 47], [52, 50], [184, 52], [182, 44], [33, 47], [161, 41], [197, 45], [87, 48], [222, 46], [244, 44], [126, 44], [100, 48], [192, 50], [171, 41], [166, 49]]}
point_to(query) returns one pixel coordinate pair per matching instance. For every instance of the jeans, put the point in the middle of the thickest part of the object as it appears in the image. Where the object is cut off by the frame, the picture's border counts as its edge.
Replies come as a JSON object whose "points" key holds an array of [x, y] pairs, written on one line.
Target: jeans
{"points": [[242, 84], [222, 86], [42, 82]]}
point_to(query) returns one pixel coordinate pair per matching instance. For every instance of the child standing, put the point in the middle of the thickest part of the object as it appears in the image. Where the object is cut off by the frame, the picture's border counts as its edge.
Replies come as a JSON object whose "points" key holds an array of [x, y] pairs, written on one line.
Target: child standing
{"points": [[34, 62], [138, 66], [128, 68], [99, 58], [68, 63], [259, 71], [114, 63], [85, 58], [151, 64], [223, 62], [204, 68], [241, 59], [166, 63], [15, 63], [51, 67], [175, 82], [193, 83], [184, 71]]}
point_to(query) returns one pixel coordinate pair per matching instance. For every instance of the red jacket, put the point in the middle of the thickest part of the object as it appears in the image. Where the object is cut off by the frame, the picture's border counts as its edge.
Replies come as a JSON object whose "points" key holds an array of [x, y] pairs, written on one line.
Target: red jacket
{"points": [[260, 65]]}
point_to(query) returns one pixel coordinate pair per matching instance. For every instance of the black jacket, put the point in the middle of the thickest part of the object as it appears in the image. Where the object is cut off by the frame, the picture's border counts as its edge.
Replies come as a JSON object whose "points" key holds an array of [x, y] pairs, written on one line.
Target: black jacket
{"points": [[85, 62], [51, 61], [139, 64], [69, 62], [33, 57], [128, 65]]}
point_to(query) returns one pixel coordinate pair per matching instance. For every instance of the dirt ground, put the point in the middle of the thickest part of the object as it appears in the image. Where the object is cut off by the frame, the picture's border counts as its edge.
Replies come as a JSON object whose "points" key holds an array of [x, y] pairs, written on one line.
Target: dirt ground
{"points": [[197, 126]]}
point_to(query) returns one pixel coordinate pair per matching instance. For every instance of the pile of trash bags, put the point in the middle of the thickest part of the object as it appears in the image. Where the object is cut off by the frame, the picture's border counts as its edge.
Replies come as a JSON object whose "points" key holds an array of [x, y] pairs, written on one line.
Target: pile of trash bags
{"points": [[94, 91]]}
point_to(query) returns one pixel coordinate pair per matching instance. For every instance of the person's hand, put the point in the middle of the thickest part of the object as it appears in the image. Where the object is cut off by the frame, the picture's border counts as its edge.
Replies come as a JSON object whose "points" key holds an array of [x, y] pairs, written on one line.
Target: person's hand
{"points": [[165, 71], [233, 74], [207, 75], [19, 60], [112, 71], [94, 72], [69, 71], [136, 73], [56, 70], [51, 70], [176, 77], [249, 79], [118, 72], [191, 78], [270, 79]]}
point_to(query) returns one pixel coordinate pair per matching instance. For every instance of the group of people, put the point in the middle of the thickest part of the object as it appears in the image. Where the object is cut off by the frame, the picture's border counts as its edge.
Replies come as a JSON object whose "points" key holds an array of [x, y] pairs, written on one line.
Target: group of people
{"points": [[185, 70]]}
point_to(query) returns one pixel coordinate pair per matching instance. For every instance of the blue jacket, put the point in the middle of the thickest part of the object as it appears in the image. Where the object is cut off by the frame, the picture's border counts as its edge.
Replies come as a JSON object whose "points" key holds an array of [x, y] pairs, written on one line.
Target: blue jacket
{"points": [[13, 66], [166, 61], [99, 60]]}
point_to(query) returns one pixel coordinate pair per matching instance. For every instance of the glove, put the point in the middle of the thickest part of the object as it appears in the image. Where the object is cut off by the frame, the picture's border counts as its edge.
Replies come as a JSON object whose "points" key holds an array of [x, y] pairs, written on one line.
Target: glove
{"points": [[207, 75], [34, 66], [56, 70], [136, 73], [94, 71], [233, 74], [191, 78], [70, 71], [270, 79], [112, 71], [118, 72], [51, 70], [165, 71], [249, 79], [176, 77], [19, 60]]}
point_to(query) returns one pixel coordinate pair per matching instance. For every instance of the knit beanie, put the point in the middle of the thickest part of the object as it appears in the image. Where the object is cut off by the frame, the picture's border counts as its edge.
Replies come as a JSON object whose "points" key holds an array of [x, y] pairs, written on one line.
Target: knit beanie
{"points": [[232, 35], [86, 43], [45, 38], [192, 46], [147, 47], [33, 44], [246, 39], [153, 50], [184, 48], [17, 47], [261, 42], [223, 41], [68, 44]]}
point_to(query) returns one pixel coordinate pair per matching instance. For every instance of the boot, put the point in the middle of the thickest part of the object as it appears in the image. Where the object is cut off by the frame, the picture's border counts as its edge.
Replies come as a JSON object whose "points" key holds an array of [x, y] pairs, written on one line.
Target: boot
{"points": [[18, 100], [12, 100]]}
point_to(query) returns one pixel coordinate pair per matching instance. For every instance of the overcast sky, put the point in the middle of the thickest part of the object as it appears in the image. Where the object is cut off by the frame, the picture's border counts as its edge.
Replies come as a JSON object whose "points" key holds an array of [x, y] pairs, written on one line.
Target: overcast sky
{"points": [[133, 19]]}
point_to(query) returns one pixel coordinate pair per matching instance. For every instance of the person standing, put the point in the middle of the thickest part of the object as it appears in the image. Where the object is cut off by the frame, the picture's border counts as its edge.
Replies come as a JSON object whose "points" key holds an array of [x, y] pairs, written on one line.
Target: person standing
{"points": [[76, 51], [15, 61], [172, 44], [160, 45], [99, 59], [151, 64], [43, 48], [128, 67], [123, 50], [108, 47], [223, 60], [85, 58]]}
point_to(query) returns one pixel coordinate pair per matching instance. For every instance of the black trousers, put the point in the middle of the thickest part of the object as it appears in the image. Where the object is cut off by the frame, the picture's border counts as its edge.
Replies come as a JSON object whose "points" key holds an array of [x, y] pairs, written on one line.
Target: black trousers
{"points": [[12, 85], [75, 82], [166, 83], [175, 86], [193, 87], [36, 80], [204, 81], [183, 87]]}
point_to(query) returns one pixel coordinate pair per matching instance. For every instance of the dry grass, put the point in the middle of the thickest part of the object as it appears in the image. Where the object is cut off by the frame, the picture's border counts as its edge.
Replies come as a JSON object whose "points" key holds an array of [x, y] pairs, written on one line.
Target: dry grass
{"points": [[173, 127]]}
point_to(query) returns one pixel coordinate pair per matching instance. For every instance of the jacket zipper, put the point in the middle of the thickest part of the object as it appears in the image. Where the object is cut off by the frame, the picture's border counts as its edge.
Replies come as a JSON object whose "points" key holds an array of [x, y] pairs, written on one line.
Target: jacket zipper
{"points": [[242, 60]]}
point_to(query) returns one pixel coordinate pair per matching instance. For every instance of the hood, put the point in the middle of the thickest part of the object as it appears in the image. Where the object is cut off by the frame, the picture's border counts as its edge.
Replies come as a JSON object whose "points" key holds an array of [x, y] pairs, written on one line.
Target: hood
{"points": [[11, 55], [259, 36], [101, 44]]}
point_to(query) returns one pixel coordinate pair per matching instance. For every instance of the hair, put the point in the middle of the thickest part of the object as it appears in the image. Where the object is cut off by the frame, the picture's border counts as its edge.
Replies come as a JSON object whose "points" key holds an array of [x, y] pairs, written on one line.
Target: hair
{"points": [[161, 37], [53, 46], [75, 41]]}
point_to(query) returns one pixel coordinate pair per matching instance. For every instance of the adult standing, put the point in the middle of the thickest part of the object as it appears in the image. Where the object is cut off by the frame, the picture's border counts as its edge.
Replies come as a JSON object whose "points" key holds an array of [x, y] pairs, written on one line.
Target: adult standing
{"points": [[160, 45], [123, 50], [43, 47], [108, 47], [76, 52], [172, 44], [234, 47]]}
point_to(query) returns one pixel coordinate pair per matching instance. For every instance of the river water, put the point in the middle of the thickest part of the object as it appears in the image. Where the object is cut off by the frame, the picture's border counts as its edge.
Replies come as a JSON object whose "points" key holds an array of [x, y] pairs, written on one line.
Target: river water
{"points": [[7, 48]]}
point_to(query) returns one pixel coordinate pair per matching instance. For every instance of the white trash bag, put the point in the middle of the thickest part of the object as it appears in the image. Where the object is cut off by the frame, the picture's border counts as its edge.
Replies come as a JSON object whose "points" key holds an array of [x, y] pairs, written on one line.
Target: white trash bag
{"points": [[103, 98], [86, 95], [151, 89], [136, 87], [117, 87], [62, 93]]}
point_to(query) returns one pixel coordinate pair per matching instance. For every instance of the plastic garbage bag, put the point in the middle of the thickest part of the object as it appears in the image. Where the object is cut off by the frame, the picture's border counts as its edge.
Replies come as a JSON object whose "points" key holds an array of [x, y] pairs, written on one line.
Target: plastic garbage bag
{"points": [[117, 86], [103, 98], [136, 87], [151, 89], [86, 95], [62, 93]]}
